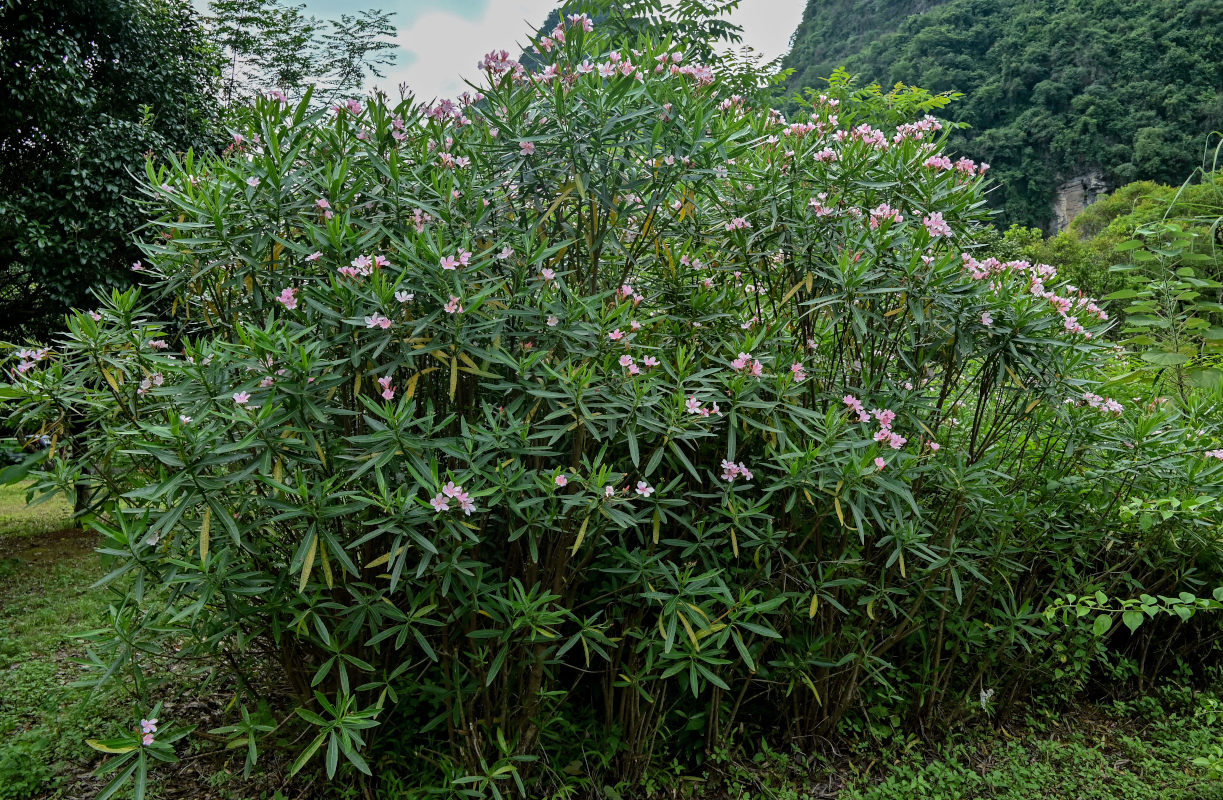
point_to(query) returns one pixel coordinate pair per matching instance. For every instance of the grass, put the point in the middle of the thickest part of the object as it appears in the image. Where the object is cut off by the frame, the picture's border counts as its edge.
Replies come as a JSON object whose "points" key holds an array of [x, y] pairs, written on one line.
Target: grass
{"points": [[46, 569], [1140, 751], [17, 520]]}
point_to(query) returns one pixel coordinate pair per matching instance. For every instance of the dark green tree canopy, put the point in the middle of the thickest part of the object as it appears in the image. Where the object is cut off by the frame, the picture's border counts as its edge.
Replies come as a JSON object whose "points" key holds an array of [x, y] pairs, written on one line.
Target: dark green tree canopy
{"points": [[1054, 88], [88, 87]]}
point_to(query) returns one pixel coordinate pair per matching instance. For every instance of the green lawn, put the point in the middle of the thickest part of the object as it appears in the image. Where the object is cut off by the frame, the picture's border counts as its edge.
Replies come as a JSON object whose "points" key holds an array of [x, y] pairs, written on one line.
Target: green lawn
{"points": [[1141, 751], [46, 569]]}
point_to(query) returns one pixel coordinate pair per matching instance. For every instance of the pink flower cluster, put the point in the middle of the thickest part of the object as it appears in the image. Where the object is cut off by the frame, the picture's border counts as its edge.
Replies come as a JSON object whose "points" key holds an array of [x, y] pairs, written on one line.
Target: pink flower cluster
{"points": [[28, 359], [745, 362], [460, 259], [364, 265], [855, 405], [693, 406], [441, 501], [936, 225], [732, 471], [816, 204], [885, 417], [872, 136], [1103, 403], [498, 62], [288, 298], [148, 727], [388, 390], [884, 212], [1037, 274]]}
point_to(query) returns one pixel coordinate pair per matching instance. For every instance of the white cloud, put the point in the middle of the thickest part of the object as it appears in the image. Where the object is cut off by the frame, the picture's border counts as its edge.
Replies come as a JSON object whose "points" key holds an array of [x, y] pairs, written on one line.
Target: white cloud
{"points": [[447, 47]]}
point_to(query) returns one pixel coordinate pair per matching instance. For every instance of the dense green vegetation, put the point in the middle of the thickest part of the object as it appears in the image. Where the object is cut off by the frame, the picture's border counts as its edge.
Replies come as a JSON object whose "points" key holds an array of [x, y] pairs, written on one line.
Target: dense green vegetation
{"points": [[604, 434], [87, 89], [1053, 90]]}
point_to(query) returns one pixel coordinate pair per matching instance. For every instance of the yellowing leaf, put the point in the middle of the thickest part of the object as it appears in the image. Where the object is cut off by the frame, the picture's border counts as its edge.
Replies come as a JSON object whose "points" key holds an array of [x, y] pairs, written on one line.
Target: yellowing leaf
{"points": [[581, 535], [205, 524], [308, 565], [815, 604], [105, 748]]}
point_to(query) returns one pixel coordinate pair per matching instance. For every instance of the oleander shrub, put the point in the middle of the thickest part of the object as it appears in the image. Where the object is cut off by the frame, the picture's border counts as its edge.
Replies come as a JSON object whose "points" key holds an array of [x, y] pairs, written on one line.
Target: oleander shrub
{"points": [[596, 417]]}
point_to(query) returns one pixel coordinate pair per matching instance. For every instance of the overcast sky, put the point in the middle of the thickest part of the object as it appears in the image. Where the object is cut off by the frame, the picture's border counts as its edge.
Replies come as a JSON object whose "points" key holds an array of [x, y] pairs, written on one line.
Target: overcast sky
{"points": [[441, 40]]}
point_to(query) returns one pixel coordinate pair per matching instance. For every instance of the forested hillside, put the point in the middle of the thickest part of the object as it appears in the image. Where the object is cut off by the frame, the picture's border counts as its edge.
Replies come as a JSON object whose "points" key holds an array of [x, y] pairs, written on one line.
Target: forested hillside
{"points": [[1053, 89]]}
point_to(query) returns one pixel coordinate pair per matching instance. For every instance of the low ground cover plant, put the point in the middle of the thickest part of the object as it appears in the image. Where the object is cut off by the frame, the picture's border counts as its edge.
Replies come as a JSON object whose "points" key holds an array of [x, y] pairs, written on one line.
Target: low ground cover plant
{"points": [[598, 408]]}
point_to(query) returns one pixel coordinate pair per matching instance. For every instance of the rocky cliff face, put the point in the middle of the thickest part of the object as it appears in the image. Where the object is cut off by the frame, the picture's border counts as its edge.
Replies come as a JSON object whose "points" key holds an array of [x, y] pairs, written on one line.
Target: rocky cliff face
{"points": [[1073, 196]]}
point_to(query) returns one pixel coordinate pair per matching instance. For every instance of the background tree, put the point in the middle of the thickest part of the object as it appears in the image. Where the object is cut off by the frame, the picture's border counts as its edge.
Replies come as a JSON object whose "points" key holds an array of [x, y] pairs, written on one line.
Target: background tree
{"points": [[89, 87], [270, 45], [1053, 90]]}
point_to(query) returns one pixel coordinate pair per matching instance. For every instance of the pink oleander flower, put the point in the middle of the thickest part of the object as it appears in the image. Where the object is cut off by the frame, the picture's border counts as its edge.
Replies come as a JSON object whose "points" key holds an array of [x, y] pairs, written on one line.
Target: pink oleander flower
{"points": [[738, 223], [553, 320], [649, 361], [742, 361], [252, 181], [158, 344], [561, 480], [1214, 454], [242, 398], [885, 416], [183, 419], [935, 446], [626, 360], [315, 256], [528, 148], [644, 489], [377, 321], [936, 225], [452, 306], [880, 463], [732, 471], [440, 503], [147, 739], [547, 274], [693, 405], [757, 369], [137, 266], [797, 370], [288, 298], [148, 726], [616, 335], [95, 316], [404, 297], [987, 318], [388, 391], [608, 491]]}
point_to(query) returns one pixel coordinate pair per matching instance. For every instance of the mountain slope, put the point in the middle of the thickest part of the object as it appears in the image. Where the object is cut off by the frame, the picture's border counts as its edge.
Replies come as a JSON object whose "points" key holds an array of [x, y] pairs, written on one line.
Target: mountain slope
{"points": [[1054, 89]]}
